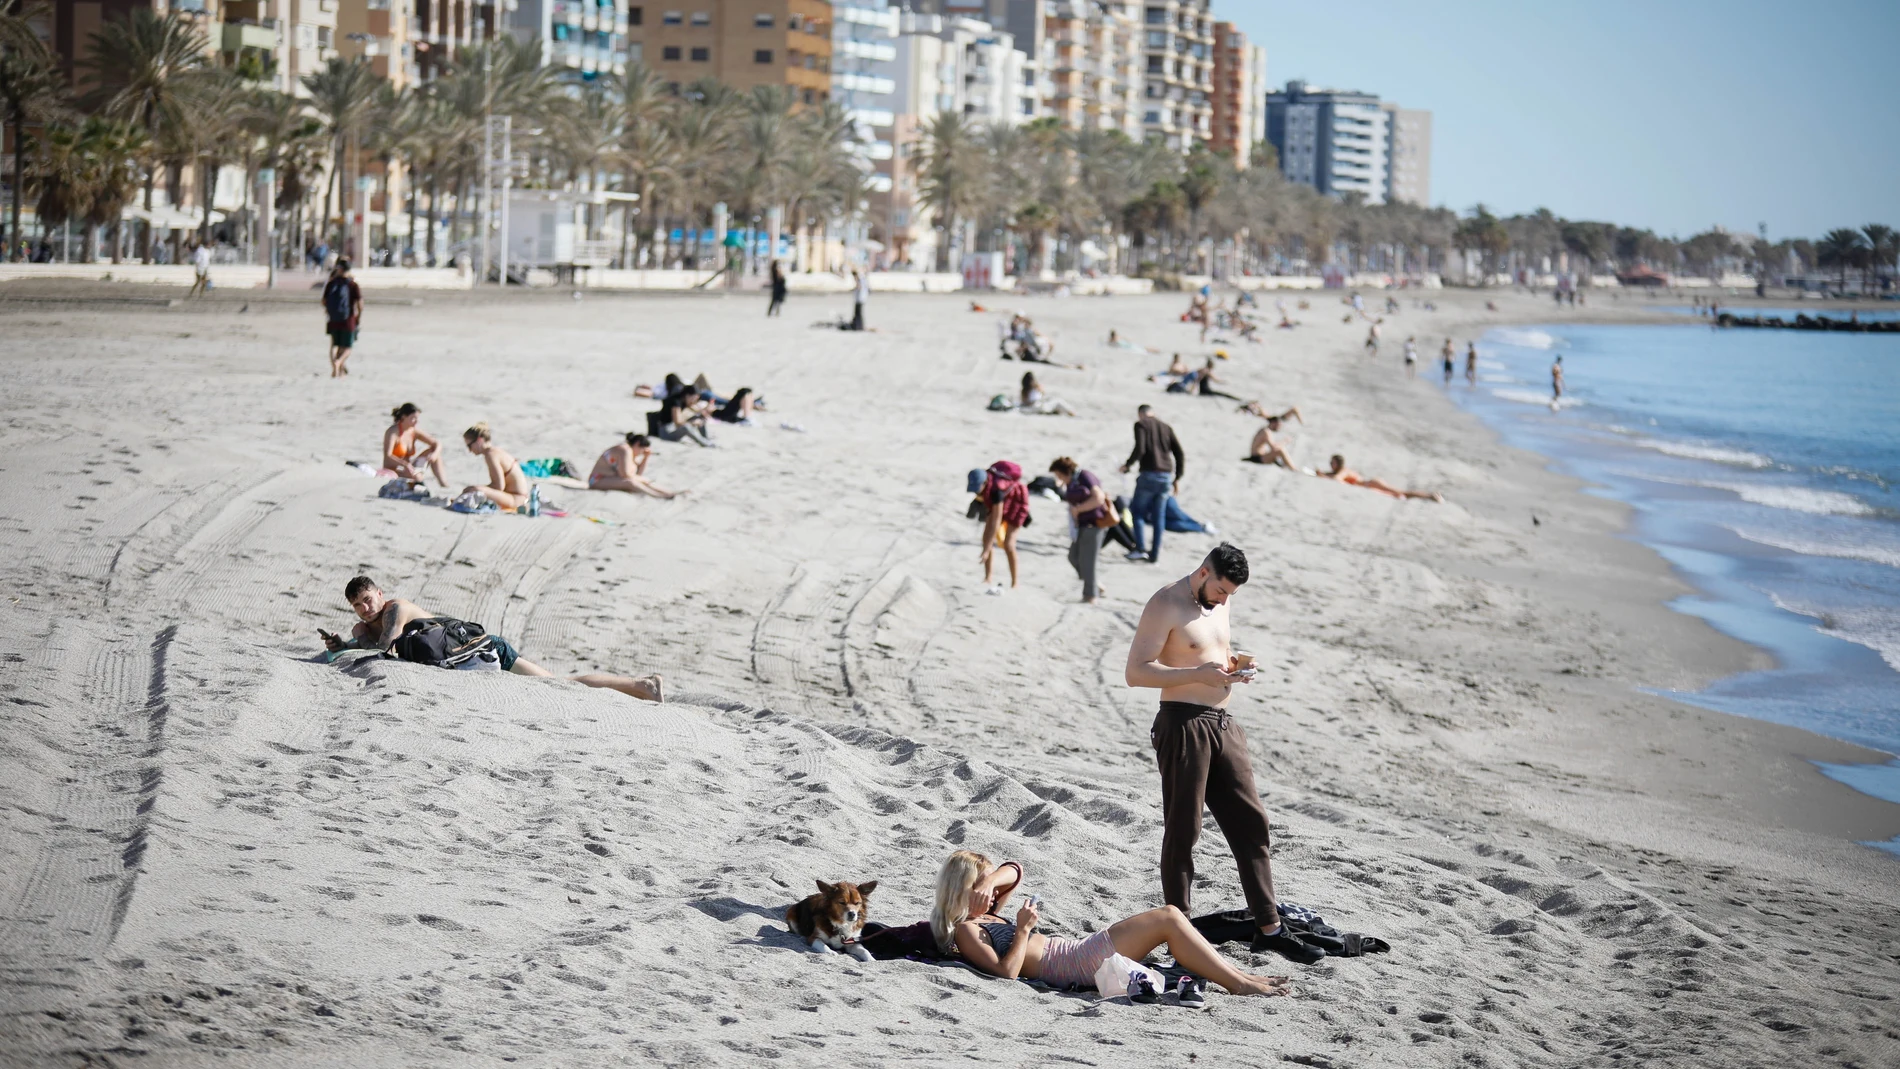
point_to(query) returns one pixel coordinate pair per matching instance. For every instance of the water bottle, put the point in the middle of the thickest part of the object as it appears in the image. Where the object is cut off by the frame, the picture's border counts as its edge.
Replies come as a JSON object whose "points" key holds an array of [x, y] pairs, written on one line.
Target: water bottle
{"points": [[534, 500]]}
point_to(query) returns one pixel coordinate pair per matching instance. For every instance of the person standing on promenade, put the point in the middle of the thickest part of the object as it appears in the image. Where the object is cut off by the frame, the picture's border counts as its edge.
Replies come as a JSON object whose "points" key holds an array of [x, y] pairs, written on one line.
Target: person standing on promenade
{"points": [[860, 293], [778, 289], [1090, 512], [1471, 363], [1183, 647], [343, 309], [1158, 452]]}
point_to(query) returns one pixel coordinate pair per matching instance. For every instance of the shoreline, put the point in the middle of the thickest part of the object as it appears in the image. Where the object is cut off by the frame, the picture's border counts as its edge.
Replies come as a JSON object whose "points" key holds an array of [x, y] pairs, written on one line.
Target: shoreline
{"points": [[1446, 729]]}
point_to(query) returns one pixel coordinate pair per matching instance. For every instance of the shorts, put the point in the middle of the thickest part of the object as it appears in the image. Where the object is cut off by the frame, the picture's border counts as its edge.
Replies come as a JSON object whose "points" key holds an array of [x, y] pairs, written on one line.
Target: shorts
{"points": [[504, 651], [1072, 962], [343, 339]]}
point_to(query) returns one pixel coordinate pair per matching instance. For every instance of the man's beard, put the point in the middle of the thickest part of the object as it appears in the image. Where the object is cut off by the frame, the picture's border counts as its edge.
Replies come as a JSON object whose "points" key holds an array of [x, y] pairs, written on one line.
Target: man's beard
{"points": [[1201, 597]]}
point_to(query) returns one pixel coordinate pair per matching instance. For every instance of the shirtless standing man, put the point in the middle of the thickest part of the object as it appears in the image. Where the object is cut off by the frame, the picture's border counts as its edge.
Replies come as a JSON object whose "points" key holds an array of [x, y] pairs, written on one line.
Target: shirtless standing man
{"points": [[1183, 647], [383, 619]]}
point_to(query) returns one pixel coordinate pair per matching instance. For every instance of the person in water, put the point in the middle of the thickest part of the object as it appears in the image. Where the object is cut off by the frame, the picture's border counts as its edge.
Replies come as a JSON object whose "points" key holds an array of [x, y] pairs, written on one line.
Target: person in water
{"points": [[381, 620], [506, 486], [407, 449], [1341, 473], [965, 923], [624, 467]]}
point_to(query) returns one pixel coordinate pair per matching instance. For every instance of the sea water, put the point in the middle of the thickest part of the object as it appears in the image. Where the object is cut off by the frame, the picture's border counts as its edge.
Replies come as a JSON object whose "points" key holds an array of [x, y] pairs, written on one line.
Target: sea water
{"points": [[1764, 465]]}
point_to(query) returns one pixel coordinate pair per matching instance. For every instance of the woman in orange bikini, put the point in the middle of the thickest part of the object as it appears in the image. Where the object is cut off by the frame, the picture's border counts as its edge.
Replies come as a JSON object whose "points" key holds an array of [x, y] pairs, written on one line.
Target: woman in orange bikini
{"points": [[1344, 474], [407, 449], [506, 486]]}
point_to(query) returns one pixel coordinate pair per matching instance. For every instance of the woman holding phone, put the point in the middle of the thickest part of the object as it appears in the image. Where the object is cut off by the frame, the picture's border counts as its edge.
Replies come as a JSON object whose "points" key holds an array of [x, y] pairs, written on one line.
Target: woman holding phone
{"points": [[1091, 512]]}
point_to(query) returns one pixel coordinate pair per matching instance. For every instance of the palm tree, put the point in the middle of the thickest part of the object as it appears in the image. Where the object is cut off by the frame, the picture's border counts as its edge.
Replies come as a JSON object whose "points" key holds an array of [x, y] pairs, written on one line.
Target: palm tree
{"points": [[117, 148], [951, 162], [1842, 248], [214, 111], [1883, 247], [137, 64], [343, 94], [703, 132], [63, 175], [30, 93], [285, 133]]}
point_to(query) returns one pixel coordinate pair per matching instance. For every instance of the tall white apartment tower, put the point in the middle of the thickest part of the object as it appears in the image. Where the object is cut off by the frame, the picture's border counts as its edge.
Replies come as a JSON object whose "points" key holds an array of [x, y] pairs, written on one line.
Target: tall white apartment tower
{"points": [[863, 58], [1177, 97]]}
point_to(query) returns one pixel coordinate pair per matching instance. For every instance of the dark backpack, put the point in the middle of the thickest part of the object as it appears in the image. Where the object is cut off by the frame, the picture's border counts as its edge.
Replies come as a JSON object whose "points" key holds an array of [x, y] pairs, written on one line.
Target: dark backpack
{"points": [[440, 642], [336, 300]]}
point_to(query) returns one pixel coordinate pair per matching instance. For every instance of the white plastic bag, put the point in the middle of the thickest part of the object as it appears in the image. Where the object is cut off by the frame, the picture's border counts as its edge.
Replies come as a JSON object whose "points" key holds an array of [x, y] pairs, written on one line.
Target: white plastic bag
{"points": [[1111, 978]]}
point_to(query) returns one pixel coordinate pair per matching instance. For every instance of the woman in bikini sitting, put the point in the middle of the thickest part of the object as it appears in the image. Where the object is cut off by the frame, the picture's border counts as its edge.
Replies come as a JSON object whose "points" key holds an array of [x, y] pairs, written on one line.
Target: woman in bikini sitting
{"points": [[407, 448], [506, 486], [624, 467], [1341, 473], [966, 925]]}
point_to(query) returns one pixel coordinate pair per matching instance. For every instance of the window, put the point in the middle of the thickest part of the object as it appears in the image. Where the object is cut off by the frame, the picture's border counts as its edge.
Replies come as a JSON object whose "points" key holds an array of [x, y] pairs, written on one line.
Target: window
{"points": [[763, 22], [633, 15], [701, 55], [671, 18], [1157, 38], [793, 23], [763, 55], [1154, 65], [1156, 16], [671, 53], [791, 56], [702, 18], [324, 39], [1153, 116]]}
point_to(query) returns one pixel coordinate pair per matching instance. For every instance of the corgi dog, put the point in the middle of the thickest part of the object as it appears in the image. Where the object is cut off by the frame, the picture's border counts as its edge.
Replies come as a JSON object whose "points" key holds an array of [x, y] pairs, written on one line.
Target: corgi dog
{"points": [[831, 920]]}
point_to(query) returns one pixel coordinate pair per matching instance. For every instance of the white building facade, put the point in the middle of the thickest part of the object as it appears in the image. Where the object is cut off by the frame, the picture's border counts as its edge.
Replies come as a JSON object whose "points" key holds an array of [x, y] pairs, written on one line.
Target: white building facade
{"points": [[863, 67]]}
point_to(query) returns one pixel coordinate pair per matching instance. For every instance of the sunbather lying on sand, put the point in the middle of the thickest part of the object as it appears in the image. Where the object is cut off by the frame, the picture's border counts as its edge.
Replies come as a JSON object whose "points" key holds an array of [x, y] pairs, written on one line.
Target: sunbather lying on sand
{"points": [[383, 619], [1346, 475], [964, 920], [624, 467], [407, 449]]}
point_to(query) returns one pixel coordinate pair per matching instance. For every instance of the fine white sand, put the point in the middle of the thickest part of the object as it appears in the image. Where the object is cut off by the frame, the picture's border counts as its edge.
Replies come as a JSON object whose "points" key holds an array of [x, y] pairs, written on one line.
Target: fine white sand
{"points": [[216, 848]]}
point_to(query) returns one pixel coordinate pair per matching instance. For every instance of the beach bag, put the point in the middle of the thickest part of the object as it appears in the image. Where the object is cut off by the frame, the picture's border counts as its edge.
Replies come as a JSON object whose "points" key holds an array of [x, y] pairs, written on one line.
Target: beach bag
{"points": [[1001, 403], [1111, 977], [404, 490], [336, 300], [440, 642]]}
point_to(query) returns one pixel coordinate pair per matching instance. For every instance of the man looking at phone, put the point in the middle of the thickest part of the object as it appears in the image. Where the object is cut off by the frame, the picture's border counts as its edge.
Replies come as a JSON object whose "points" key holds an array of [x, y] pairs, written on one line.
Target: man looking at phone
{"points": [[1183, 646]]}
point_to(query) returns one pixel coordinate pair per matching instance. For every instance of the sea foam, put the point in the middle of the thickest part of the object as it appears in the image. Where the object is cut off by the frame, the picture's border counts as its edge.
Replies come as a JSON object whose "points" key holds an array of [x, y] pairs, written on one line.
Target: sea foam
{"points": [[1532, 397], [1887, 554], [1525, 339], [1741, 458], [1797, 498], [1876, 629]]}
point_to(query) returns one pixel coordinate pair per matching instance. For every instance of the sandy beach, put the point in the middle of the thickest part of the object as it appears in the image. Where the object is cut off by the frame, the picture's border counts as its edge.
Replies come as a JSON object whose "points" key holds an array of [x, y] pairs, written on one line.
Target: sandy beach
{"points": [[216, 848]]}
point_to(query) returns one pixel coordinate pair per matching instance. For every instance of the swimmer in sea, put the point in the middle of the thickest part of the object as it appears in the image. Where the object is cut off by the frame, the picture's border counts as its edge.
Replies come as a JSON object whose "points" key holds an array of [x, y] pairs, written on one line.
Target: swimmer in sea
{"points": [[1341, 473], [1556, 380]]}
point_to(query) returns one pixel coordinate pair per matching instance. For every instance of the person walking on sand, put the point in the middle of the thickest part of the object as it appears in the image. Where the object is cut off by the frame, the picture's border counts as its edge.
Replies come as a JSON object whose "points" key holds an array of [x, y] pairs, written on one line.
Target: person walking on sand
{"points": [[778, 289], [1158, 453], [1183, 647], [1447, 363], [1090, 512], [860, 293], [1556, 381], [1372, 340], [1471, 363], [383, 619], [624, 467], [201, 269], [343, 312], [1005, 512], [1411, 358], [408, 449]]}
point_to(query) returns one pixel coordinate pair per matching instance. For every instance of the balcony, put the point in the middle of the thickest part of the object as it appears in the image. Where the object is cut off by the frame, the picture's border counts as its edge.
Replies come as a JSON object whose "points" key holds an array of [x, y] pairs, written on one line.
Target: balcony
{"points": [[239, 35]]}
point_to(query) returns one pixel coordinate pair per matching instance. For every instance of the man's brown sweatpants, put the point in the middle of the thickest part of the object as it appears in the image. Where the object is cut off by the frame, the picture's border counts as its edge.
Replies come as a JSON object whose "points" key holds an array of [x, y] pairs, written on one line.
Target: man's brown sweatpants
{"points": [[1203, 757]]}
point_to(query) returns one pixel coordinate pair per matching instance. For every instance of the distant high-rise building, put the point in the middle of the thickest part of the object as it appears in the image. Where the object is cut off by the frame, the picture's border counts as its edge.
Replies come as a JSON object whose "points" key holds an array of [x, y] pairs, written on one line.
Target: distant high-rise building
{"points": [[1178, 40], [1409, 178], [863, 69], [1238, 121], [743, 43], [1092, 65], [1336, 140], [587, 38]]}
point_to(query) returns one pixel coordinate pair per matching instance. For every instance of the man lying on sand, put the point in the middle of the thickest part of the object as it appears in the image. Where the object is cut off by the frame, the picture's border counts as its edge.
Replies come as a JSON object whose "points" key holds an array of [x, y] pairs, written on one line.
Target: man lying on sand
{"points": [[1346, 475], [384, 618]]}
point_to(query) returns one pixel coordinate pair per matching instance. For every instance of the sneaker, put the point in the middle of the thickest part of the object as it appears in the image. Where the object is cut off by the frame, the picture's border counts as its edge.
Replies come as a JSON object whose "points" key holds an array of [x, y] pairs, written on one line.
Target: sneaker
{"points": [[1137, 555], [1141, 987], [1191, 992], [1287, 945], [1208, 528]]}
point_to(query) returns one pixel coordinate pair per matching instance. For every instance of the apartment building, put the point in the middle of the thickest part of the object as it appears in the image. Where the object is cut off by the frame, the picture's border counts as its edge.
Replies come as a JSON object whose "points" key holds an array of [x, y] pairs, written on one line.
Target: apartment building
{"points": [[863, 58], [1238, 120], [743, 43], [586, 38], [1409, 176], [1336, 140], [1178, 43], [1093, 65], [281, 40]]}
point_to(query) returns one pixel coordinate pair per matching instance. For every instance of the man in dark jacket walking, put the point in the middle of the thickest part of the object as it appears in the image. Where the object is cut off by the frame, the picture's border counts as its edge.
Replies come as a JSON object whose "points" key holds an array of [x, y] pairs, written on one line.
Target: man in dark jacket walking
{"points": [[1158, 452]]}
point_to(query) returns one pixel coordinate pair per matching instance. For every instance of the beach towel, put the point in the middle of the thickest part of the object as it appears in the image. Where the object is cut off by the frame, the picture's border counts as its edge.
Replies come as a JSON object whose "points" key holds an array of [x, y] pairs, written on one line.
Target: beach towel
{"points": [[1238, 926], [404, 490], [548, 468]]}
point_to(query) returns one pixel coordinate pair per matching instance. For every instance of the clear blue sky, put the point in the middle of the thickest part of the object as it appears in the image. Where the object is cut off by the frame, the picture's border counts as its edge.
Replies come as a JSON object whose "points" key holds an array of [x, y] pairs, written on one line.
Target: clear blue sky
{"points": [[1674, 114]]}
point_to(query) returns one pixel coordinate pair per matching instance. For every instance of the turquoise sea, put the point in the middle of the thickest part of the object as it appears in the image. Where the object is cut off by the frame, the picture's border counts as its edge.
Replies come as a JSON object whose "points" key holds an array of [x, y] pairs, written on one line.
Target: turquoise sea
{"points": [[1764, 465]]}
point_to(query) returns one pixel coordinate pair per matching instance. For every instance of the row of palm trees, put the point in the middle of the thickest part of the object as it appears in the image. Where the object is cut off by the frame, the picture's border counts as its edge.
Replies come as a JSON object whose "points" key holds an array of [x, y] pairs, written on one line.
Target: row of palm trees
{"points": [[161, 110]]}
